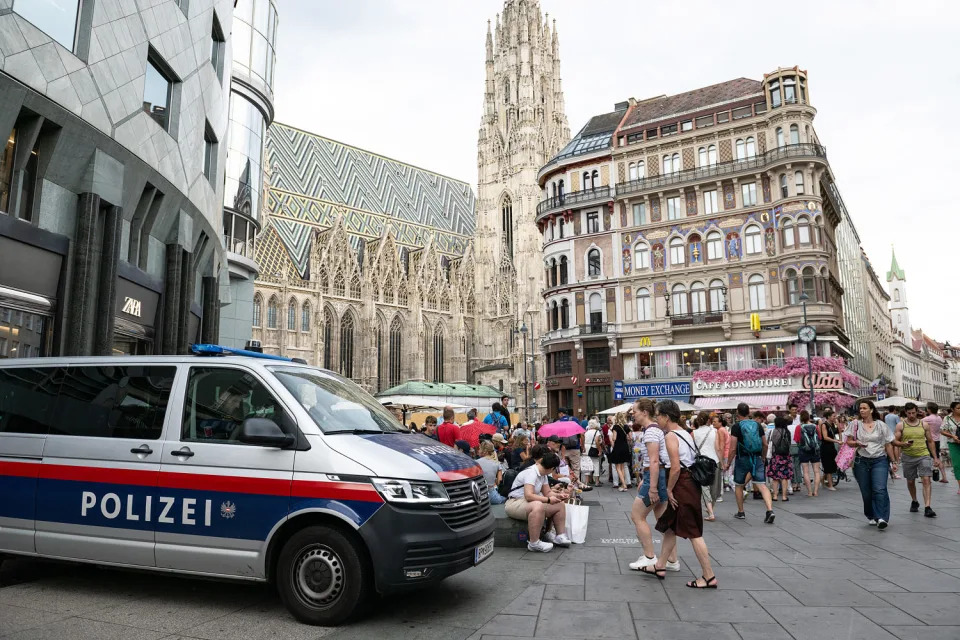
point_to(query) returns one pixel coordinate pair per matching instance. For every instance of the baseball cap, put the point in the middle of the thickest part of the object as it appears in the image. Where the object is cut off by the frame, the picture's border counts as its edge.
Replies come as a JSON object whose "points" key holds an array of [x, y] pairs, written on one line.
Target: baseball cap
{"points": [[497, 437]]}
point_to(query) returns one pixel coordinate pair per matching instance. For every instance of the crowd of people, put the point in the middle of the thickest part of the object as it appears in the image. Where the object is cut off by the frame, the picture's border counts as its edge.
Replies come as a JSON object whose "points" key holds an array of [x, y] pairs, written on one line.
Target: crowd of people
{"points": [[772, 456]]}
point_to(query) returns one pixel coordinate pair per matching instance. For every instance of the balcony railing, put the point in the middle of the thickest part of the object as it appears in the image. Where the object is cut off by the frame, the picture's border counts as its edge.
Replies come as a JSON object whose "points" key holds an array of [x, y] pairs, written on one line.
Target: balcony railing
{"points": [[577, 197], [593, 328], [722, 169], [766, 363], [695, 319]]}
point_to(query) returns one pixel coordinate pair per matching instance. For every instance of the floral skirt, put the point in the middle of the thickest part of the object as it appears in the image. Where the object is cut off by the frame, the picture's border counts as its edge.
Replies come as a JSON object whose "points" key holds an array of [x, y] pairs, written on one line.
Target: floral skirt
{"points": [[780, 468]]}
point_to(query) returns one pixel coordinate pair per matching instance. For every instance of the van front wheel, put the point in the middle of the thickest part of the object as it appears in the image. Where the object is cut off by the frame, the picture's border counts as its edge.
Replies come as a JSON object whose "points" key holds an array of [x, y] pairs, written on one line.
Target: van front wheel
{"points": [[321, 576]]}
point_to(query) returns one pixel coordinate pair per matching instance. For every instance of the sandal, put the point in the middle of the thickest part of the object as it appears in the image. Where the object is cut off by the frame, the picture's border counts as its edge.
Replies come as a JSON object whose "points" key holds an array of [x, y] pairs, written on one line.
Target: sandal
{"points": [[655, 572], [776, 499], [710, 518], [622, 489], [709, 584], [786, 500]]}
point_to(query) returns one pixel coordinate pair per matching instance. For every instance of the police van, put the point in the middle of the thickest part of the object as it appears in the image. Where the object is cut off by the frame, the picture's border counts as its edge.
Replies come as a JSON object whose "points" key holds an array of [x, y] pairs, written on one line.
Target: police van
{"points": [[234, 465]]}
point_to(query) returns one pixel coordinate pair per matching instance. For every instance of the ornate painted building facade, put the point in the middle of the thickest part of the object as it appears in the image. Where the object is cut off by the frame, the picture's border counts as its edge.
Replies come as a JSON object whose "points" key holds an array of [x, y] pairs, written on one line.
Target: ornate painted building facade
{"points": [[387, 272]]}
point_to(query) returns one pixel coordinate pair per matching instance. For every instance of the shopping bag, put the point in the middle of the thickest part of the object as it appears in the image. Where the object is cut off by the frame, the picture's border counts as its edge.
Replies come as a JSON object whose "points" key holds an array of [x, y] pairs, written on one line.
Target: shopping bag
{"points": [[845, 457], [577, 517]]}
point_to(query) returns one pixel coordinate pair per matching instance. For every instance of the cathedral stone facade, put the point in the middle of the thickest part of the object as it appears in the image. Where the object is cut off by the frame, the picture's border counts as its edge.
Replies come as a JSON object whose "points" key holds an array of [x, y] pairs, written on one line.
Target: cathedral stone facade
{"points": [[386, 272]]}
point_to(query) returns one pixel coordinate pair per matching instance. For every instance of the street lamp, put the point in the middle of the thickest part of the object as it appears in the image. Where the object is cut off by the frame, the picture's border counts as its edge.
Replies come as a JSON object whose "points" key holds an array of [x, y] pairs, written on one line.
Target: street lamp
{"points": [[807, 335], [523, 340]]}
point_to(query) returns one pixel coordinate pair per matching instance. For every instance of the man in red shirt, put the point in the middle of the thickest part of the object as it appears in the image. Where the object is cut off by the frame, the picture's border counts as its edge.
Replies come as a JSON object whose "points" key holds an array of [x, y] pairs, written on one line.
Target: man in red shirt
{"points": [[448, 432]]}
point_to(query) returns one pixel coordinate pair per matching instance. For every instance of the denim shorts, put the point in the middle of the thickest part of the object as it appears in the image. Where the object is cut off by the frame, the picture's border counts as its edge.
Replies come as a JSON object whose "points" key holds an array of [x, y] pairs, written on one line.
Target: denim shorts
{"points": [[749, 464], [644, 492]]}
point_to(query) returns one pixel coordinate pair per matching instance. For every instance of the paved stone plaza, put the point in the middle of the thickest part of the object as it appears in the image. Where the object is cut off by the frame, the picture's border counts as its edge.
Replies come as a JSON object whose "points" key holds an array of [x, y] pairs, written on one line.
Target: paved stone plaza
{"points": [[821, 577]]}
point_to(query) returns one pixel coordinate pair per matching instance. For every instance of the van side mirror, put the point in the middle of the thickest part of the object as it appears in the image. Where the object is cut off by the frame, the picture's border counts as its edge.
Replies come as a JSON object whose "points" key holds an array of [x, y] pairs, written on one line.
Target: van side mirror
{"points": [[264, 432]]}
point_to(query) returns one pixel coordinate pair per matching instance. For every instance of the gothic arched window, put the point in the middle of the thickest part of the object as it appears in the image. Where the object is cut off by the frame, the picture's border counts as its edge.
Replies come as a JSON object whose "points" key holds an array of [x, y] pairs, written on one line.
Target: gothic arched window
{"points": [[506, 219], [564, 314], [327, 340], [305, 317], [355, 287], [393, 358], [292, 316], [272, 314], [438, 354], [346, 345], [563, 269], [593, 262], [257, 310]]}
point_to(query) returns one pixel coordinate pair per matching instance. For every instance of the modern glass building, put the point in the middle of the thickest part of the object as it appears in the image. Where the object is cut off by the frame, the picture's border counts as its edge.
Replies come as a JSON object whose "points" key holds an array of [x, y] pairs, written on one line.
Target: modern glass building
{"points": [[111, 174], [251, 112]]}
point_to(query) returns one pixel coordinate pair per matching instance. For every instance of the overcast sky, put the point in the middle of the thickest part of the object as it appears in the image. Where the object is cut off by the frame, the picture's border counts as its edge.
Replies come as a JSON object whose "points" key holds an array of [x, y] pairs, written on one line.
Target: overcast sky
{"points": [[404, 78]]}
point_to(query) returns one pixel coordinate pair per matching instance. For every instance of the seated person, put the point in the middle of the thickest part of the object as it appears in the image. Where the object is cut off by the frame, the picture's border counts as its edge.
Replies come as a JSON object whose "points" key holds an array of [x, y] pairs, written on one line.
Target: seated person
{"points": [[531, 499]]}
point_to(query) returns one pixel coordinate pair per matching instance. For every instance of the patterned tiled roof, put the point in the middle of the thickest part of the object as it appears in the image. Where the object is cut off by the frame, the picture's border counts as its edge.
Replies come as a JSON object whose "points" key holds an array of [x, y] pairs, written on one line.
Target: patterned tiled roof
{"points": [[314, 179], [656, 108]]}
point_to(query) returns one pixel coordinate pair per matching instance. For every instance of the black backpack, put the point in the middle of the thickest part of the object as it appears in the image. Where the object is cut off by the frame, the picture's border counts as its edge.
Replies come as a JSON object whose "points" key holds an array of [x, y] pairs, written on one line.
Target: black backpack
{"points": [[781, 442], [506, 482], [808, 439], [704, 469]]}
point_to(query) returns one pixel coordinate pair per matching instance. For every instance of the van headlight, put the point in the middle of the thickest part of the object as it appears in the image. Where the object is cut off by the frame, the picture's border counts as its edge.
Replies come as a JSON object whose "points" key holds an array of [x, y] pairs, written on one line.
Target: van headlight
{"points": [[404, 491]]}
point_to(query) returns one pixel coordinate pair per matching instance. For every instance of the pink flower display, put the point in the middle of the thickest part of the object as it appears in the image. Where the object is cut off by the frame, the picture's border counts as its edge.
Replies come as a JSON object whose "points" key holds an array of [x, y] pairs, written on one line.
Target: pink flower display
{"points": [[792, 367], [823, 399]]}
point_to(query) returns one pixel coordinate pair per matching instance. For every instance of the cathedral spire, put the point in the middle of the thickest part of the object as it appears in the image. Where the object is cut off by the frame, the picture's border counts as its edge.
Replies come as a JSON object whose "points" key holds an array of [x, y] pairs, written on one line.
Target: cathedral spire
{"points": [[895, 270]]}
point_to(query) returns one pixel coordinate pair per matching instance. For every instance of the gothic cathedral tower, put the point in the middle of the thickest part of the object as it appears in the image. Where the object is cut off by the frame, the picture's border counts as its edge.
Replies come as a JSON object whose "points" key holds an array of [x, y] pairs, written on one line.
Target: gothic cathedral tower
{"points": [[523, 126], [899, 311]]}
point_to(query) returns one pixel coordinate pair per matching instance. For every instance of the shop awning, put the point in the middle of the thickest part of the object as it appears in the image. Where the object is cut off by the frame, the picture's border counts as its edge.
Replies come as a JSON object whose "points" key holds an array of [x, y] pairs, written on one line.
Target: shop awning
{"points": [[763, 401]]}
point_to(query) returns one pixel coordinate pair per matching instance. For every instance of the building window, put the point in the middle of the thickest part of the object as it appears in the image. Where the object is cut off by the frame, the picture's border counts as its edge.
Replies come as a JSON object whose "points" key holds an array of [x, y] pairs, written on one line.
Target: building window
{"points": [[810, 283], [596, 312], [272, 314], [553, 272], [305, 317], [562, 363], [698, 298], [714, 246], [438, 359], [641, 253], [780, 141], [506, 220], [210, 146], [292, 316], [748, 193], [788, 234], [803, 230], [593, 262], [157, 91], [587, 182], [784, 191], [711, 154], [554, 310], [793, 295], [564, 314], [673, 208], [597, 360], [257, 310], [789, 89], [676, 252], [753, 240], [798, 182], [639, 214], [593, 222], [686, 125], [668, 130], [671, 163], [704, 121], [758, 297], [741, 150], [678, 297], [716, 296], [710, 202], [394, 355], [643, 305], [346, 345], [637, 171], [775, 93], [217, 47], [56, 18], [751, 147], [742, 112], [794, 134], [563, 269]]}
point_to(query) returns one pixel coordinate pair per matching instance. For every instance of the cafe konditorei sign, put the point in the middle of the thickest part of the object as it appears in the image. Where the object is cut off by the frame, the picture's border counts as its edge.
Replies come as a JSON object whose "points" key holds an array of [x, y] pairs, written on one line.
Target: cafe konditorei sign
{"points": [[823, 381]]}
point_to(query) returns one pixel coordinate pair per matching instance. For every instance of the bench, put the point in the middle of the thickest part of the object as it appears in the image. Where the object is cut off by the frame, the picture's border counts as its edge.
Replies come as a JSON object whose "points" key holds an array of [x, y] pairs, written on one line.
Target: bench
{"points": [[508, 532]]}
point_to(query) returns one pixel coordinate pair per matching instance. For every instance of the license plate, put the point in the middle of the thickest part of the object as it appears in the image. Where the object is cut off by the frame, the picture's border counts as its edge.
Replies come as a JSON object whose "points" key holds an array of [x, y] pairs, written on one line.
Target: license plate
{"points": [[483, 552]]}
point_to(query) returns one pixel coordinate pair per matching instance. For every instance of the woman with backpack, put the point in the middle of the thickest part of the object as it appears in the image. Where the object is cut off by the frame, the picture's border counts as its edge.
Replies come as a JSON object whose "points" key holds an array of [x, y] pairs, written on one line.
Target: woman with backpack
{"points": [[781, 464], [808, 440], [705, 438]]}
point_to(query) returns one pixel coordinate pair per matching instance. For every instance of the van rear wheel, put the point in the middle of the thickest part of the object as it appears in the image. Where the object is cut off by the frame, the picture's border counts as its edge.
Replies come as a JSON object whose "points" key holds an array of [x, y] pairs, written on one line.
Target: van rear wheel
{"points": [[321, 576]]}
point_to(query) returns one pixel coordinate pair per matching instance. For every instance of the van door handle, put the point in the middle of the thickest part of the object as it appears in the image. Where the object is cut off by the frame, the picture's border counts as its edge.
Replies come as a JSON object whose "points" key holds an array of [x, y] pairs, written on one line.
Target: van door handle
{"points": [[142, 450], [183, 452]]}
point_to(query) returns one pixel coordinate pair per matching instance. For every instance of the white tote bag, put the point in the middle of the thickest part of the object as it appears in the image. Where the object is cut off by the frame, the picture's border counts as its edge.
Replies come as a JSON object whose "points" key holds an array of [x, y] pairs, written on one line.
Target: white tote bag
{"points": [[577, 517]]}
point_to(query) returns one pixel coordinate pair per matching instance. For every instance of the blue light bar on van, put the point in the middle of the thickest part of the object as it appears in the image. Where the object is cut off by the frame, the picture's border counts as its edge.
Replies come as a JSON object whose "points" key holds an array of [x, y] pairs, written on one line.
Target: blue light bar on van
{"points": [[218, 350]]}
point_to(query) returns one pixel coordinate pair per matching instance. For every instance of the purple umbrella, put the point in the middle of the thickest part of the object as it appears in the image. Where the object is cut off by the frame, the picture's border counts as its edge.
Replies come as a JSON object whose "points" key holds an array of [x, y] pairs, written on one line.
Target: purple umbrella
{"points": [[563, 428]]}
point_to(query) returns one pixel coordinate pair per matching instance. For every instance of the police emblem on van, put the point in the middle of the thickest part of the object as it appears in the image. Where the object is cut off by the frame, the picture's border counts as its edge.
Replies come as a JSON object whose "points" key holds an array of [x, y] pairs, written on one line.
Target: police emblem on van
{"points": [[228, 510]]}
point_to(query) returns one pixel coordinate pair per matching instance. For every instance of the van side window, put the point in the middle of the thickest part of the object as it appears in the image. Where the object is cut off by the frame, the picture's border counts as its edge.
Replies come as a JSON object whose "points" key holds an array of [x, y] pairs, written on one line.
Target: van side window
{"points": [[113, 402], [219, 399], [27, 397]]}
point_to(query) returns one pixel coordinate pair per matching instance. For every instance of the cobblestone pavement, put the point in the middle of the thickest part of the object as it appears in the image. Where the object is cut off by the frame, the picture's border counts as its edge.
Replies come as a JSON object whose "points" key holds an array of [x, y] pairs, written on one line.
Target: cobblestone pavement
{"points": [[820, 572]]}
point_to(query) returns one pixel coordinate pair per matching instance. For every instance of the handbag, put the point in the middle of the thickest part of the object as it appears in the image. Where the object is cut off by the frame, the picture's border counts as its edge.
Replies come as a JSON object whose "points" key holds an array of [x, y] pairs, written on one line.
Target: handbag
{"points": [[594, 452], [704, 469], [846, 453]]}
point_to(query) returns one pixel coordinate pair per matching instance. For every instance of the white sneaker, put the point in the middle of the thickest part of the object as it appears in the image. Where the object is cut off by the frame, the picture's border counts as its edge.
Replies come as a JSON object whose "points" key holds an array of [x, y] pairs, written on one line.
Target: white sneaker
{"points": [[872, 523], [643, 561], [881, 524], [540, 545], [549, 536], [561, 540], [719, 499], [673, 566]]}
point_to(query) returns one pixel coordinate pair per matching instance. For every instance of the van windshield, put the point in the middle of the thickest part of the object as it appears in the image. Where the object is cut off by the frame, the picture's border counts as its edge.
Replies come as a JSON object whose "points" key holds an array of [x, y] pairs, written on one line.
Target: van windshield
{"points": [[335, 404]]}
